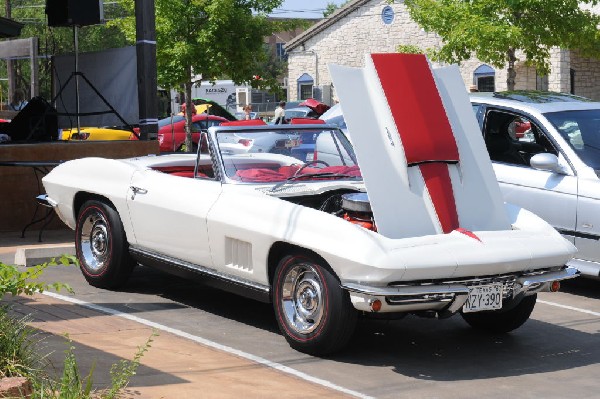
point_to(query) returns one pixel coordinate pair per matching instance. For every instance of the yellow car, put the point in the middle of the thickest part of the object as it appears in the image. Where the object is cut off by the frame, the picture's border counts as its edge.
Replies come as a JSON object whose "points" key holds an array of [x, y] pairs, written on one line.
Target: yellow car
{"points": [[96, 133]]}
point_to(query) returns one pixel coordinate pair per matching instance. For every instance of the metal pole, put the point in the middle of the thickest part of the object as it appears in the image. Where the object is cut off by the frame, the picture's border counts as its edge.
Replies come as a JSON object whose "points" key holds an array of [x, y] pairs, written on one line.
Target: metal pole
{"points": [[77, 110], [146, 69]]}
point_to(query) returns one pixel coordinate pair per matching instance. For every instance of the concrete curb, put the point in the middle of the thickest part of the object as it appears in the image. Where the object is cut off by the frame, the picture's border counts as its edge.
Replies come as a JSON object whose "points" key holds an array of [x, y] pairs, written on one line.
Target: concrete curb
{"points": [[35, 255]]}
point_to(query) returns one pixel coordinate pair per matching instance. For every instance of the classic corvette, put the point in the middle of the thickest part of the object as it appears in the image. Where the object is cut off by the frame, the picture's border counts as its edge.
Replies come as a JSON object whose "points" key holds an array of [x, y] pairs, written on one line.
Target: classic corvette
{"points": [[408, 219]]}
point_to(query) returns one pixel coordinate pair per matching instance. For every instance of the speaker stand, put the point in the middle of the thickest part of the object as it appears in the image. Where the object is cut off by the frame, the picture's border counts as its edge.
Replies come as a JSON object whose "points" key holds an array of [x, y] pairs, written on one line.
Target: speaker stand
{"points": [[76, 74]]}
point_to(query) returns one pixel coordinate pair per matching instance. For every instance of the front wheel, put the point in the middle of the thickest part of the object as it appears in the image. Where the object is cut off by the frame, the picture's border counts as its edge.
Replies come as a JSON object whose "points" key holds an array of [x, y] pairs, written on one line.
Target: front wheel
{"points": [[101, 247], [499, 321], [313, 312]]}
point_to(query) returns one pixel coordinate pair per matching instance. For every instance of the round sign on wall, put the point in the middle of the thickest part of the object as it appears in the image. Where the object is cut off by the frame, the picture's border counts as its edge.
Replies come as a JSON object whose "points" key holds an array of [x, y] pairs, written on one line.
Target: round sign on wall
{"points": [[387, 15]]}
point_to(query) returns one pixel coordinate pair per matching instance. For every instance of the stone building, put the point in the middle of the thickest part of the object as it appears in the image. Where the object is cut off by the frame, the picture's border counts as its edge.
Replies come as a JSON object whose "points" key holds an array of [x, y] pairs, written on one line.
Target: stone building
{"points": [[379, 26]]}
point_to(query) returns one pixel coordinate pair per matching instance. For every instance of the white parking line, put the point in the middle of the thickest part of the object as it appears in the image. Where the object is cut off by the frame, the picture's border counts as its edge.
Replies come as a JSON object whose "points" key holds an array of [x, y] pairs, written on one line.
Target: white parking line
{"points": [[212, 344], [558, 305]]}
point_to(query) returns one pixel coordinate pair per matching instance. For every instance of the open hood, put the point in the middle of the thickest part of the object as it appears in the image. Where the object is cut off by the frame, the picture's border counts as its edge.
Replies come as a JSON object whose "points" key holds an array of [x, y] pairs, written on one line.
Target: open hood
{"points": [[318, 107], [215, 108], [419, 147]]}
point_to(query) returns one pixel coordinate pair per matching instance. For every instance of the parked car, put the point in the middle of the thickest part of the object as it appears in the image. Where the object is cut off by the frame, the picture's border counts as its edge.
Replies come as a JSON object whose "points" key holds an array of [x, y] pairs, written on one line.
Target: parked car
{"points": [[309, 108], [554, 169], [97, 133], [325, 241], [171, 131]]}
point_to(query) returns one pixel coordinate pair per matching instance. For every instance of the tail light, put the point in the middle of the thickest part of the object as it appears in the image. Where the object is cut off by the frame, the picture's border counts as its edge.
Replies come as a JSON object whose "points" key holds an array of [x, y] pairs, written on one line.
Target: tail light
{"points": [[160, 138], [245, 142]]}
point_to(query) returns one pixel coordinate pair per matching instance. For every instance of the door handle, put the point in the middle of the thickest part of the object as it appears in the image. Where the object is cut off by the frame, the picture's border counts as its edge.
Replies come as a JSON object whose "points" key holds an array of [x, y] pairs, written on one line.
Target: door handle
{"points": [[137, 190]]}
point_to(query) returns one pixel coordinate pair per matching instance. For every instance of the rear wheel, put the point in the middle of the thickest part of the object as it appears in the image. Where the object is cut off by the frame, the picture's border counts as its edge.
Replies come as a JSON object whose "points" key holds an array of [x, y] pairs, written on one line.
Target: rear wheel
{"points": [[101, 247], [313, 312], [499, 321]]}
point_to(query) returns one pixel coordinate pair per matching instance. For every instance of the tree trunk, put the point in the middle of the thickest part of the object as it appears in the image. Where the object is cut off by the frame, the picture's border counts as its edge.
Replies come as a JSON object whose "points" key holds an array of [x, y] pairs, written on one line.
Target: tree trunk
{"points": [[512, 74], [188, 114]]}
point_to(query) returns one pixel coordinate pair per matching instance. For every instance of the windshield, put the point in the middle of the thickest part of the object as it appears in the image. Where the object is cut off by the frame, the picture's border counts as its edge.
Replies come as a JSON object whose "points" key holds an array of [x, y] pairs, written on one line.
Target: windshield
{"points": [[167, 121], [581, 129], [291, 154]]}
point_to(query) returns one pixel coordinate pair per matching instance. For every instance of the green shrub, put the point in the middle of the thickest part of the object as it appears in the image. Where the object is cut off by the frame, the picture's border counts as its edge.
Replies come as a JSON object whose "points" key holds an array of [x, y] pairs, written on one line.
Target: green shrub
{"points": [[16, 282], [72, 386], [18, 349]]}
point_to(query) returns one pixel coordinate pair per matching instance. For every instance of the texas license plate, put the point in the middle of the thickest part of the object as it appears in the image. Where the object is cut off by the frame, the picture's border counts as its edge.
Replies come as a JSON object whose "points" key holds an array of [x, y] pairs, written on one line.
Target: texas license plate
{"points": [[484, 297]]}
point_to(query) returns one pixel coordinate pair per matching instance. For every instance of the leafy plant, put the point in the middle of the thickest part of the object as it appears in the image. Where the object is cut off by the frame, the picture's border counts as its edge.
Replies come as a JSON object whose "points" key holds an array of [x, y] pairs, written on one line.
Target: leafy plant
{"points": [[72, 386], [14, 281], [18, 351]]}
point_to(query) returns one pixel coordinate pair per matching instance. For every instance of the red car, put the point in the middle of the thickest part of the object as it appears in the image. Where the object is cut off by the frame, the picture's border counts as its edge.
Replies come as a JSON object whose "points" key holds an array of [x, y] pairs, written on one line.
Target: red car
{"points": [[171, 131]]}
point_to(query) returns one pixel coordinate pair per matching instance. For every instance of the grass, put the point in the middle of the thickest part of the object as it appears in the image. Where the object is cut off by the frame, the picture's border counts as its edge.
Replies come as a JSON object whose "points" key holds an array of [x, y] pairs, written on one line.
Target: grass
{"points": [[18, 348]]}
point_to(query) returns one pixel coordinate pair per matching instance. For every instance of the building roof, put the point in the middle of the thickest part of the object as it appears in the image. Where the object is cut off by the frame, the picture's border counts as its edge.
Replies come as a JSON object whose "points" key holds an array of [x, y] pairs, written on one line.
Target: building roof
{"points": [[325, 23], [9, 28]]}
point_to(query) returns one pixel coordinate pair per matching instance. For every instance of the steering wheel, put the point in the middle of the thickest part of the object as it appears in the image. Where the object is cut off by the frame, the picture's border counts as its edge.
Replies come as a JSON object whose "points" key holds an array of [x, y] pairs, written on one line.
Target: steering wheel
{"points": [[307, 164]]}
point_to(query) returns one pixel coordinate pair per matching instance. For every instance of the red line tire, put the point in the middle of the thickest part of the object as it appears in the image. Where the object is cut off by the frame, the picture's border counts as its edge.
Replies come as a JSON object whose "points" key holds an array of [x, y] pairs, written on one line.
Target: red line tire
{"points": [[101, 246], [313, 312]]}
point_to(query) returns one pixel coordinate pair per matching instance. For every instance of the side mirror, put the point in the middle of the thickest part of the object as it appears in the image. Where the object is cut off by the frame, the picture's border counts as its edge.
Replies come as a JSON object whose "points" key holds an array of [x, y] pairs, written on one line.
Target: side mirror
{"points": [[546, 161]]}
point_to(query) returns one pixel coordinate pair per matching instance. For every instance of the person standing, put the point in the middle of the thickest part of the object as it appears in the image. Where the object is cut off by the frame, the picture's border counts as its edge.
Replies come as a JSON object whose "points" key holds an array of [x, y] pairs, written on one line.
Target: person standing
{"points": [[247, 111], [280, 113], [18, 101]]}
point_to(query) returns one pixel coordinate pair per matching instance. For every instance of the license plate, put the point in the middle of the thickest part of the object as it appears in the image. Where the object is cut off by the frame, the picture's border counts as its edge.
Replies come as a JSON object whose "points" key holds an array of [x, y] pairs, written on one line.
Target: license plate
{"points": [[310, 157], [484, 297]]}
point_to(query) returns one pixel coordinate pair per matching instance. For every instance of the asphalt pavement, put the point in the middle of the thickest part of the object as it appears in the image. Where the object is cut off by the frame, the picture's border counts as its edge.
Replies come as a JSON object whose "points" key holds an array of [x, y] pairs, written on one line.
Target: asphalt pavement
{"points": [[173, 366]]}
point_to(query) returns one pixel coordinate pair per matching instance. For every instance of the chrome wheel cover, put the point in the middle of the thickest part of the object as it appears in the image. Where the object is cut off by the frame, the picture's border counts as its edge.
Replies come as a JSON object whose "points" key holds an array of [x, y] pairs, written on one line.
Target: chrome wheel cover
{"points": [[302, 298], [94, 241]]}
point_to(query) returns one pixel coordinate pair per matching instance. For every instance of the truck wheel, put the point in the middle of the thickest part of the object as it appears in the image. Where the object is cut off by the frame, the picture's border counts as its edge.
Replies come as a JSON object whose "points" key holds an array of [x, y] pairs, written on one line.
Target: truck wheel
{"points": [[499, 321], [101, 246], [313, 312]]}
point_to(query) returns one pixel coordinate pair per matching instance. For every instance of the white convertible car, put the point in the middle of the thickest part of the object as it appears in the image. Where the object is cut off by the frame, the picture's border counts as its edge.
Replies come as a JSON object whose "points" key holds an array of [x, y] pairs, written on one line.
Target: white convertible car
{"points": [[418, 228]]}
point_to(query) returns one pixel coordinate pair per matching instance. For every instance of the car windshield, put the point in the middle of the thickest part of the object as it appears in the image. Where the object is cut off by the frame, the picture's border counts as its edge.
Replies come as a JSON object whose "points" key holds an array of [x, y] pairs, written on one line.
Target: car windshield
{"points": [[581, 129], [287, 155], [167, 121]]}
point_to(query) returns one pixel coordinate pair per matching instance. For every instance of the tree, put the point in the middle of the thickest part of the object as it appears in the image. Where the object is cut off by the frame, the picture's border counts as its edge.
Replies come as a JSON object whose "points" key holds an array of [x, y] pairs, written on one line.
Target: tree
{"points": [[211, 39], [493, 30], [332, 7]]}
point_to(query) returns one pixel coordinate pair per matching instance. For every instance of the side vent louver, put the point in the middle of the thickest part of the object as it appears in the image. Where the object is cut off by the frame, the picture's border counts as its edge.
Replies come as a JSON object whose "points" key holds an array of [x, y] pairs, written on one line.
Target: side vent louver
{"points": [[238, 254]]}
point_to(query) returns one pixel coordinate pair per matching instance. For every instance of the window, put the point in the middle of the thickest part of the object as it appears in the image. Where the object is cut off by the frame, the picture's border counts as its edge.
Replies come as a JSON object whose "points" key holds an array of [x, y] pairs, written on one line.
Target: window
{"points": [[486, 83], [280, 51], [572, 77], [306, 91], [484, 77], [305, 86], [514, 139]]}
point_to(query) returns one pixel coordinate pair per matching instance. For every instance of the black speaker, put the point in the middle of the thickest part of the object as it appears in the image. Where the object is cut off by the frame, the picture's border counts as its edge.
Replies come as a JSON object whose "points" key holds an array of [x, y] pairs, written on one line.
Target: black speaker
{"points": [[37, 121], [74, 12]]}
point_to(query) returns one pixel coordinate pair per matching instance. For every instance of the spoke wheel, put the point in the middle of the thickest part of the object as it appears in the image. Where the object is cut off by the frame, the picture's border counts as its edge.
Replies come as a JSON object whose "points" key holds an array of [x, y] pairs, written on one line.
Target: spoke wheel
{"points": [[101, 245], [302, 298], [95, 244], [313, 312]]}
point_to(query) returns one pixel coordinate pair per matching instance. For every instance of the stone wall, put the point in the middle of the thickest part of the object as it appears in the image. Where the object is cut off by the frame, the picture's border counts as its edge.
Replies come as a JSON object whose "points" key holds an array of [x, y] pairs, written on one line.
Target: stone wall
{"points": [[587, 76], [349, 39], [363, 31], [19, 185]]}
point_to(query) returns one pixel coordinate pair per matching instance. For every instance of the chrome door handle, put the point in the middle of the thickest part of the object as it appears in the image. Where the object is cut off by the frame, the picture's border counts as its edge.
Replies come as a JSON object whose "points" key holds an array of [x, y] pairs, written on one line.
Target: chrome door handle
{"points": [[137, 190]]}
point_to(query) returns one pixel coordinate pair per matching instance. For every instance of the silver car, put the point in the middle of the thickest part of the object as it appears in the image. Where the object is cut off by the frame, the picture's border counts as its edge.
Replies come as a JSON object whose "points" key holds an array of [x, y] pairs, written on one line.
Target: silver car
{"points": [[545, 149]]}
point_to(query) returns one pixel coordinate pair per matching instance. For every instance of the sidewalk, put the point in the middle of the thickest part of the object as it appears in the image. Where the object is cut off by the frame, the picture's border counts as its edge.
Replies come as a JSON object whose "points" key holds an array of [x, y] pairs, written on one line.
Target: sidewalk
{"points": [[173, 367]]}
